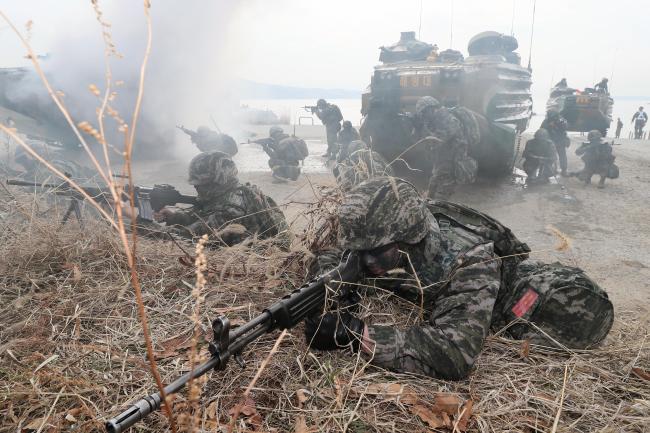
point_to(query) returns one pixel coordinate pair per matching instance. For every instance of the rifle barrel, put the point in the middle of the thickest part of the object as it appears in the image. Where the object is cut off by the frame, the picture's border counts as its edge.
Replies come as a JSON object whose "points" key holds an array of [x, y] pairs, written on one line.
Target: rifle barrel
{"points": [[23, 183]]}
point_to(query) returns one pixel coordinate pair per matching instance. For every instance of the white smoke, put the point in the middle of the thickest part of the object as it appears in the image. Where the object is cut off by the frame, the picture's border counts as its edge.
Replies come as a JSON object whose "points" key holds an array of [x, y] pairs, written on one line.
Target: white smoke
{"points": [[191, 77]]}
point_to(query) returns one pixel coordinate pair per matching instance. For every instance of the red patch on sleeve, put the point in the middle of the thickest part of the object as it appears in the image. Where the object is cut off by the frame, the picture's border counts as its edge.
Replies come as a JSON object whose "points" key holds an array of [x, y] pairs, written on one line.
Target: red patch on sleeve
{"points": [[524, 304]]}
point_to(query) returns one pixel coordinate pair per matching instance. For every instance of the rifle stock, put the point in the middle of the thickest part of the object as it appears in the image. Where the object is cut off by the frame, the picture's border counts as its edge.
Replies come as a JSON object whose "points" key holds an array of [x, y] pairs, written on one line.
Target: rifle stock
{"points": [[284, 314]]}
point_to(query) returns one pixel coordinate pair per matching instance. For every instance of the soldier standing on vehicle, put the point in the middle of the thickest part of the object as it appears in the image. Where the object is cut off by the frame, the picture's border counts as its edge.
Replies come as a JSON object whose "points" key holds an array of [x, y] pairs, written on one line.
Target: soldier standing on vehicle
{"points": [[286, 153], [449, 133], [598, 158], [226, 207], [639, 119], [207, 140], [556, 126], [347, 134], [539, 155], [562, 84], [462, 270], [619, 127], [331, 117], [602, 86]]}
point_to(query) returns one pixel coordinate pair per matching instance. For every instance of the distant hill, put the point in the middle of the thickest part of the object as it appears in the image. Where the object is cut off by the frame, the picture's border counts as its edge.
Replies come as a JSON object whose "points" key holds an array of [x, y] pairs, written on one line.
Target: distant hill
{"points": [[253, 90]]}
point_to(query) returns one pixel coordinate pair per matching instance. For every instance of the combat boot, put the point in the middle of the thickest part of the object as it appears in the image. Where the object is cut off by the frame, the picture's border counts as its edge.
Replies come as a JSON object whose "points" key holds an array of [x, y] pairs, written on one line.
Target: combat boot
{"points": [[601, 184]]}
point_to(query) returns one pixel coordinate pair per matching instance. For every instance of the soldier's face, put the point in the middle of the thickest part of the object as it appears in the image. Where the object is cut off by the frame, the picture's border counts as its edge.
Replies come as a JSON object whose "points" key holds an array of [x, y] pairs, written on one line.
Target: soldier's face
{"points": [[380, 260]]}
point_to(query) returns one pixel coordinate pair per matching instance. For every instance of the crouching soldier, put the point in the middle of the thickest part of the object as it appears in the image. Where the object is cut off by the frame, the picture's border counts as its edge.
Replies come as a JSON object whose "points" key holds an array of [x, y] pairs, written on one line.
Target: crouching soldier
{"points": [[539, 155], [598, 158], [223, 202], [286, 154], [450, 134], [465, 270]]}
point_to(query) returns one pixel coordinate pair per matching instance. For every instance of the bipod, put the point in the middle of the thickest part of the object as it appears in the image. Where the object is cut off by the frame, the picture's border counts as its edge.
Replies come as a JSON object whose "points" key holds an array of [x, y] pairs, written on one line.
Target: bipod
{"points": [[73, 207]]}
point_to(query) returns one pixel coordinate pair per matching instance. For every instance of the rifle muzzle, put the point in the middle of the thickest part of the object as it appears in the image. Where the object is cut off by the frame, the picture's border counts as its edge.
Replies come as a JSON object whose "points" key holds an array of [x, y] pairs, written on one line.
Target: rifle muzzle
{"points": [[133, 414]]}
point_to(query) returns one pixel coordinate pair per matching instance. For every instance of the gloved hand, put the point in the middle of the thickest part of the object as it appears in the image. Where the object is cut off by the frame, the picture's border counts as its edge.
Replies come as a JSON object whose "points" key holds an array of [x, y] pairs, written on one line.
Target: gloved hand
{"points": [[333, 331]]}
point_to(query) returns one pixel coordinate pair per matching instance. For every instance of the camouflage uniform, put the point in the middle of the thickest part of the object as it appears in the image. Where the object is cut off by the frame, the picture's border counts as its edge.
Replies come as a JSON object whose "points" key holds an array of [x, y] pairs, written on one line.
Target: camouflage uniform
{"points": [[331, 117], [539, 154], [347, 135], [207, 140], [598, 158], [556, 126], [222, 200], [285, 153], [448, 132], [454, 269], [356, 163]]}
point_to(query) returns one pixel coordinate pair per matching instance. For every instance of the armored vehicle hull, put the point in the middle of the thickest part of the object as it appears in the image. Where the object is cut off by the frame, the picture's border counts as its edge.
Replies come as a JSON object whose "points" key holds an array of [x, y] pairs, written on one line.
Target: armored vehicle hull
{"points": [[490, 83]]}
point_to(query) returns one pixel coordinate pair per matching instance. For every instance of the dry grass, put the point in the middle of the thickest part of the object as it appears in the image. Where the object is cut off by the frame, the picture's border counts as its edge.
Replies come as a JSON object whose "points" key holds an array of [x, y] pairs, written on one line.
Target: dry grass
{"points": [[72, 351]]}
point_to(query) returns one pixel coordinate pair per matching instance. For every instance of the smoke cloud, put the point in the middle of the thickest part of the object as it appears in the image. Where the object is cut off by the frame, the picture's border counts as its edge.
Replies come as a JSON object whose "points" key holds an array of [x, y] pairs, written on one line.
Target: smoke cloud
{"points": [[192, 76]]}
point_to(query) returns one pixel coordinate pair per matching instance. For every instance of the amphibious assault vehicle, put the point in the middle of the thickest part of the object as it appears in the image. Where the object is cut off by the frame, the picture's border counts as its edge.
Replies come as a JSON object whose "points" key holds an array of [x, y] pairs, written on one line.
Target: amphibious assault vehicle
{"points": [[583, 110], [490, 82]]}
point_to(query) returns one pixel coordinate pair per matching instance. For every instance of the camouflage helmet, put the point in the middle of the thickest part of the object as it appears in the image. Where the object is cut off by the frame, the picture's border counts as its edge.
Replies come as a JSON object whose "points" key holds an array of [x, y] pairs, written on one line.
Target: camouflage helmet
{"points": [[273, 130], [212, 168], [594, 135], [541, 134], [203, 130], [380, 211], [426, 102], [347, 124], [321, 103]]}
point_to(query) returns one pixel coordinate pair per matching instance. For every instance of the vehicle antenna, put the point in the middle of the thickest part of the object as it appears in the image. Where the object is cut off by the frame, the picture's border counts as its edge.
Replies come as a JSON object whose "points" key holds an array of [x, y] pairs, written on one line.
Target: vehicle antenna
{"points": [[611, 77], [451, 26], [420, 25], [512, 25], [532, 31]]}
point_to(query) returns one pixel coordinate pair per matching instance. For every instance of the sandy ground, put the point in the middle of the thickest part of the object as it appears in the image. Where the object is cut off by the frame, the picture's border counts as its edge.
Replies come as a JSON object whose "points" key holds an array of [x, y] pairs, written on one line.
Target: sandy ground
{"points": [[610, 228]]}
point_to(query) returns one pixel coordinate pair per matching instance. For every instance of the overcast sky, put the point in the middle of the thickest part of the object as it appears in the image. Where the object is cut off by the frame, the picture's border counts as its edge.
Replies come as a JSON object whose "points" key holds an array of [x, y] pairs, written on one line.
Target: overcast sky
{"points": [[335, 43]]}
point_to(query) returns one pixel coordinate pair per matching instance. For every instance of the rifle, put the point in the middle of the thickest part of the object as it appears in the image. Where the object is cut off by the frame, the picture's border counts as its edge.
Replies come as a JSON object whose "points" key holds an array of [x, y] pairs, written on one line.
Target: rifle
{"points": [[284, 314], [266, 144], [310, 108], [147, 199], [189, 132]]}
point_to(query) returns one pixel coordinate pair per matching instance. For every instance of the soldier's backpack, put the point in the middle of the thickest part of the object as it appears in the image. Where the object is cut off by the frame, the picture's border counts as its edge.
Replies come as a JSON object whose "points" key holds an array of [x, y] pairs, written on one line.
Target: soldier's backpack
{"points": [[552, 304], [269, 218], [562, 301], [292, 148], [613, 172], [470, 123], [506, 245]]}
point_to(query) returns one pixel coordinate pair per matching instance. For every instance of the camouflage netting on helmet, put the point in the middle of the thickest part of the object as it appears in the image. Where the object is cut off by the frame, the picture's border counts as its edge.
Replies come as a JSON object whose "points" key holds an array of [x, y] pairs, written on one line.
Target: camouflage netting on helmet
{"points": [[542, 134], [380, 211], [360, 166], [212, 168]]}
